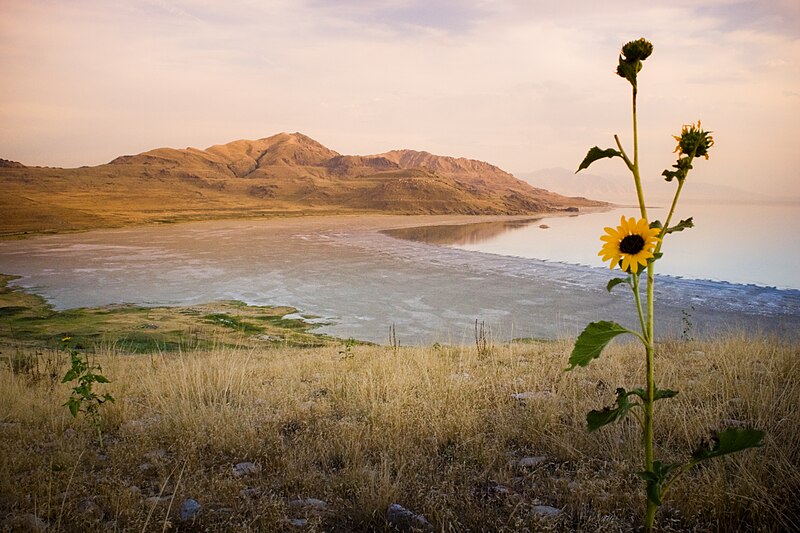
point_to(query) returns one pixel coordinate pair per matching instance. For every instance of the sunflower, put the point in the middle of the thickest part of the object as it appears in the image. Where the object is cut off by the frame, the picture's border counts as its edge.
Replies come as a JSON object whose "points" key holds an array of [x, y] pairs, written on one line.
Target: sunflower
{"points": [[632, 242], [694, 141]]}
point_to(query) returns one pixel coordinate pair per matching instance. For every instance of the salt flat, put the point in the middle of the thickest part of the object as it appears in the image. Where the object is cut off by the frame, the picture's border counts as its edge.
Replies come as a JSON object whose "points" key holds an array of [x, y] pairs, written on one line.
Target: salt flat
{"points": [[343, 269]]}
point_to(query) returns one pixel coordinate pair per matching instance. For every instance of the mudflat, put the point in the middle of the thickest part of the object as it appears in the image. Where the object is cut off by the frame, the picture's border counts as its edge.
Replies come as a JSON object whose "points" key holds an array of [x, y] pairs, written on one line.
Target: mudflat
{"points": [[360, 280]]}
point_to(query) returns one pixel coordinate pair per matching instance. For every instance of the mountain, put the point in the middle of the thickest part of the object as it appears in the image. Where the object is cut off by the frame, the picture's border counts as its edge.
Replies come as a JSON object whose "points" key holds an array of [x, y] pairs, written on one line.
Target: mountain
{"points": [[287, 173]]}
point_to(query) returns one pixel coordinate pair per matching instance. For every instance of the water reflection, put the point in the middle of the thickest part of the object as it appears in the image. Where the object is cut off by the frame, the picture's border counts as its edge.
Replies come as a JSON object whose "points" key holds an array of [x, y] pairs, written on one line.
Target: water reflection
{"points": [[728, 243], [462, 234]]}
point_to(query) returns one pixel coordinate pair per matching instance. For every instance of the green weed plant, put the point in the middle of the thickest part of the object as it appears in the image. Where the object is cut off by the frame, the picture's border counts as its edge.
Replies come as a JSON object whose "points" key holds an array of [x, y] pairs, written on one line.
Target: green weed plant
{"points": [[635, 246], [83, 398]]}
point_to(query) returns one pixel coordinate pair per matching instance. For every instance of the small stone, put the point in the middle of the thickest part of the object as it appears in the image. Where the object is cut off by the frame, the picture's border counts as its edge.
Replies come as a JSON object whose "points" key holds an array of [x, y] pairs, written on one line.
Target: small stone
{"points": [[529, 462], [155, 455], [25, 522], [546, 511], [298, 522], [250, 493], [544, 226], [532, 395], [88, 508], [245, 469], [69, 433], [405, 520], [189, 510], [311, 505]]}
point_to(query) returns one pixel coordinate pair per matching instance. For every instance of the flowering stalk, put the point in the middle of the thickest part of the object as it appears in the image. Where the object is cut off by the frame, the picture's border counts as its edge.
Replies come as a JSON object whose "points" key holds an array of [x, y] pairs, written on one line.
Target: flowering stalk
{"points": [[635, 246]]}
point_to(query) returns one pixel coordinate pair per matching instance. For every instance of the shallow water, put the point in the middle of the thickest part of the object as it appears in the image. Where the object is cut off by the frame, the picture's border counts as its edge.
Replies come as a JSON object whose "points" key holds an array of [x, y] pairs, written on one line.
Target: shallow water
{"points": [[361, 280], [735, 243]]}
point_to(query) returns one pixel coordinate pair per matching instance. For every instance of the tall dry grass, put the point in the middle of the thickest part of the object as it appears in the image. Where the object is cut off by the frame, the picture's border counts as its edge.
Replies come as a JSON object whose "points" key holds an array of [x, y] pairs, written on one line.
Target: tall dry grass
{"points": [[435, 429]]}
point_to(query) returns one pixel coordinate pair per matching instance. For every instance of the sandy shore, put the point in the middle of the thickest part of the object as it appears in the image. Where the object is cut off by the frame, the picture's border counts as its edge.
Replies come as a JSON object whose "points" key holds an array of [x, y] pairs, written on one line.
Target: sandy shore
{"points": [[344, 269]]}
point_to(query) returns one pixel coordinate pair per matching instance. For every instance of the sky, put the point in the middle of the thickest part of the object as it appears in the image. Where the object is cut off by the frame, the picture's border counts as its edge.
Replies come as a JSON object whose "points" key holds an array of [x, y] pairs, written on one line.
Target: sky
{"points": [[525, 85]]}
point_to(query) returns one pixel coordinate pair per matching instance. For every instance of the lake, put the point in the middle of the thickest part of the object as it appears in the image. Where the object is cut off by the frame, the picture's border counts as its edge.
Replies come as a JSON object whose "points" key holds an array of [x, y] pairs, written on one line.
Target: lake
{"points": [[360, 280], [735, 243]]}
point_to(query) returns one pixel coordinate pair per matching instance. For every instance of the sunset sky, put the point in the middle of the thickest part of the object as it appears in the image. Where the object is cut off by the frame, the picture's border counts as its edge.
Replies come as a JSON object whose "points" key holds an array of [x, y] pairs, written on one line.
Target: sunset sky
{"points": [[524, 85]]}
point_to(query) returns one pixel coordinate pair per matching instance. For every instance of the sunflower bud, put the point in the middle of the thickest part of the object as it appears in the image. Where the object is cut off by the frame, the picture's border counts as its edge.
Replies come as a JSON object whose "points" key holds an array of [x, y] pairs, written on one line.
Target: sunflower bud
{"points": [[638, 50], [693, 141], [630, 60]]}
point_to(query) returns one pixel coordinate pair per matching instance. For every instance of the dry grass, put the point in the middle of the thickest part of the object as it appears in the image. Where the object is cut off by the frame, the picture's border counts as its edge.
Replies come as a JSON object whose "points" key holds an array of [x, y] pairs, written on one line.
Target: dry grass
{"points": [[434, 429]]}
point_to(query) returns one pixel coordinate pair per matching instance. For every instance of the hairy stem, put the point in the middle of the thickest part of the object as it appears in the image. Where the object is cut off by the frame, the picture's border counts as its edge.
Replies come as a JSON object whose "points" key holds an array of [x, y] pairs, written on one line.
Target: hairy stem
{"points": [[647, 330], [669, 216], [649, 399], [638, 298], [636, 176]]}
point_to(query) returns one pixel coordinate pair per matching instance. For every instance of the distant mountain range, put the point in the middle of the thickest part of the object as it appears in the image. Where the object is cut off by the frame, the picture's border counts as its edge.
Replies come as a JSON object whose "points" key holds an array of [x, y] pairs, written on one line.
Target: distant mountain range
{"points": [[620, 190], [287, 173]]}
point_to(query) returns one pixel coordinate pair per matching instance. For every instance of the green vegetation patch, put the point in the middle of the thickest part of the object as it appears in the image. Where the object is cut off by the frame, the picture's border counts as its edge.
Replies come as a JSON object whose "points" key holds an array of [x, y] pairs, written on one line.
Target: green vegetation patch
{"points": [[28, 319], [228, 321]]}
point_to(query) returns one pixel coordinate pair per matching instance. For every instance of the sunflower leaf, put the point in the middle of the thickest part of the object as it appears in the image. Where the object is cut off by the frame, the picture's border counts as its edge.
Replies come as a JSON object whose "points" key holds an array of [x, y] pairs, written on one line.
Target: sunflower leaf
{"points": [[596, 153], [655, 479], [656, 224], [617, 281], [730, 440], [659, 393], [598, 419], [592, 340], [629, 70], [680, 226]]}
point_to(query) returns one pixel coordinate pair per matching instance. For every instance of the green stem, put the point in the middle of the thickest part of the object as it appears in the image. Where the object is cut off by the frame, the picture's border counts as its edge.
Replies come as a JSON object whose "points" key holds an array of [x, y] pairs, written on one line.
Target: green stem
{"points": [[625, 157], [669, 216], [638, 298], [647, 329], [650, 511], [636, 176], [685, 468]]}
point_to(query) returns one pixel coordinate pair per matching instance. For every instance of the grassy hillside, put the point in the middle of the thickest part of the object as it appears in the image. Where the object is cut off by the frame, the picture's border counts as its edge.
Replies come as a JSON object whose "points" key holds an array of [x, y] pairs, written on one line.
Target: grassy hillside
{"points": [[435, 429]]}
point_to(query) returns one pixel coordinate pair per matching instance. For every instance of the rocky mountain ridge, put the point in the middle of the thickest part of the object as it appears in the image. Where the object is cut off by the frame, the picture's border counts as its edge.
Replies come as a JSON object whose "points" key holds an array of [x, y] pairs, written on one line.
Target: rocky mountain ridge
{"points": [[287, 173]]}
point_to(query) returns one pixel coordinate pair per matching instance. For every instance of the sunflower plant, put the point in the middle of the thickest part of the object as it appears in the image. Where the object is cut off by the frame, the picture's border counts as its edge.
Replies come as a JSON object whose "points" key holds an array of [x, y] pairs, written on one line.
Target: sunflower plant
{"points": [[635, 247]]}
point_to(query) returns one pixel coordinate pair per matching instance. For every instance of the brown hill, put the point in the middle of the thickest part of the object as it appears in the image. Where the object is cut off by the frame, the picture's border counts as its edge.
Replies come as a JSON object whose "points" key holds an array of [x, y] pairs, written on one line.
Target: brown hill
{"points": [[283, 174]]}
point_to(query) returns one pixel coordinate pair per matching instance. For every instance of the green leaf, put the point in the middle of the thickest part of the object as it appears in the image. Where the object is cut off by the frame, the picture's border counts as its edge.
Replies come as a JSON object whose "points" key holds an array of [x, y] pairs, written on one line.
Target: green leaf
{"points": [[656, 257], [74, 405], [596, 153], [101, 378], [680, 226], [655, 479], [659, 393], [665, 393], [629, 70], [598, 419], [656, 224], [616, 281], [70, 375], [730, 440], [592, 340]]}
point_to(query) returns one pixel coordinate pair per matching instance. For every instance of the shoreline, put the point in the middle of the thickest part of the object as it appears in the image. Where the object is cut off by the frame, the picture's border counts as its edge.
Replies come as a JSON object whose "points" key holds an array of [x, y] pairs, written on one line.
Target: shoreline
{"points": [[344, 270], [22, 234]]}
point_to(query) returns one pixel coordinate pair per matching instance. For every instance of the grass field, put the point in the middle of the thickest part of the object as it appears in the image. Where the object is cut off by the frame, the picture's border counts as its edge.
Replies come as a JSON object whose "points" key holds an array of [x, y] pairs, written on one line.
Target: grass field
{"points": [[435, 429]]}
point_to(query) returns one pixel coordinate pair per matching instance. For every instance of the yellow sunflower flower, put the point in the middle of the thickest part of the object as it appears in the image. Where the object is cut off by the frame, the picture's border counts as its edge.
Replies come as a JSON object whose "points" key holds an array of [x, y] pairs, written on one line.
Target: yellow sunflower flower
{"points": [[632, 242]]}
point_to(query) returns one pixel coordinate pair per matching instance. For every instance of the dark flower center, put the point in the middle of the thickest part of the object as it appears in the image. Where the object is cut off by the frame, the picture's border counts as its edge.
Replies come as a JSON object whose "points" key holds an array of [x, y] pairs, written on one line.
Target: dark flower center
{"points": [[631, 244]]}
